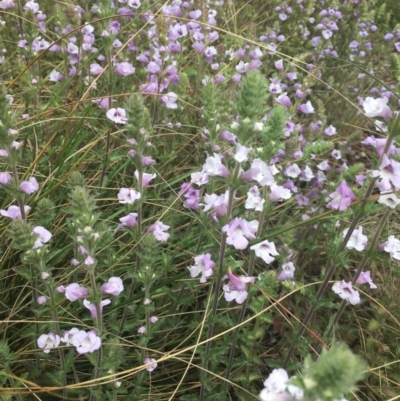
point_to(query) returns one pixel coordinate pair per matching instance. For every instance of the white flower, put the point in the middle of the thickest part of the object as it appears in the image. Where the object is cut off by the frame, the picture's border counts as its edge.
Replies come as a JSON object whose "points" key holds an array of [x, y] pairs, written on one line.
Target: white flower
{"points": [[357, 240], [389, 200], [264, 250], [377, 107], [393, 247]]}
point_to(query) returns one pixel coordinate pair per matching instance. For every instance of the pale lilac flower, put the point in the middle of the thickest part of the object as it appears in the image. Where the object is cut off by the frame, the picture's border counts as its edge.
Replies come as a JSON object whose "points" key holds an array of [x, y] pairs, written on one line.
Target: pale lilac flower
{"points": [[29, 187], [218, 203], [331, 130], [44, 275], [114, 286], [158, 229], [89, 261], [284, 99], [191, 195], [389, 200], [41, 300], [279, 193], [95, 69], [236, 287], [128, 221], [265, 250], [341, 198], [148, 161], [4, 4], [239, 231], [117, 115], [170, 100], [279, 65], [377, 107], [128, 196], [306, 108], [74, 292], [277, 388], [124, 69], [393, 247], [292, 170], [389, 174], [153, 319], [14, 212], [260, 172], [199, 178], [214, 167], [241, 153], [365, 278], [42, 234], [142, 330], [346, 292], [254, 200], [357, 240], [56, 76], [68, 335], [92, 307], [146, 178], [203, 265], [134, 3], [48, 341], [5, 178], [287, 272], [151, 362], [85, 342]]}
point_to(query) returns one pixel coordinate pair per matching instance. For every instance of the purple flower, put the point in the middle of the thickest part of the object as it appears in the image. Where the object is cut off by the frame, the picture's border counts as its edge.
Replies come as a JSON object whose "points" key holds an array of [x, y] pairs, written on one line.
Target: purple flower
{"points": [[43, 236], [95, 69], [392, 245], [239, 231], [254, 200], [124, 69], [92, 307], [153, 319], [41, 300], [365, 278], [306, 108], [85, 342], [204, 265], [114, 286], [170, 100], [158, 229], [13, 212], [128, 196], [5, 179], [214, 167], [346, 292], [48, 341], [192, 196], [236, 287], [117, 115], [141, 330], [74, 291], [264, 250], [341, 198], [128, 221], [29, 187], [152, 364], [279, 65]]}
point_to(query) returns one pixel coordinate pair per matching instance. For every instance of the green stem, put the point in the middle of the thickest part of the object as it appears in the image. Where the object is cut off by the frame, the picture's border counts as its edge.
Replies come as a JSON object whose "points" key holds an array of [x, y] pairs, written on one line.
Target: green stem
{"points": [[332, 266], [218, 284], [363, 263]]}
